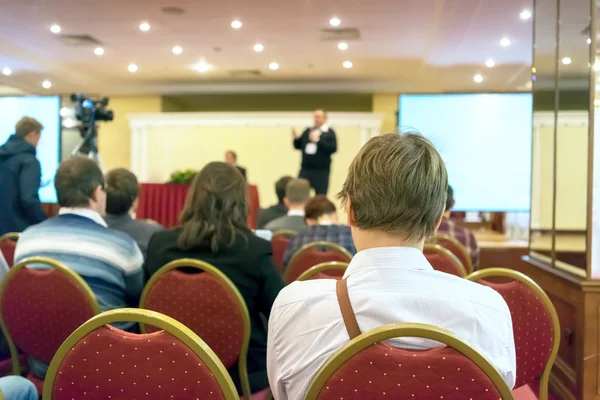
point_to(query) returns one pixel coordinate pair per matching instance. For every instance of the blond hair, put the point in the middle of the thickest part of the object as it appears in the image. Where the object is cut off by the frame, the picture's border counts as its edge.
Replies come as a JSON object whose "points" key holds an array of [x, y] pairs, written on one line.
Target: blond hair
{"points": [[26, 125], [397, 183]]}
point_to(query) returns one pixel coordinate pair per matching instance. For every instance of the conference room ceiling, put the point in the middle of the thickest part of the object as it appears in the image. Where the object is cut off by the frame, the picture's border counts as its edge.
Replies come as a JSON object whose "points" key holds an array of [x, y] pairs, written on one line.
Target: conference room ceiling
{"points": [[409, 46]]}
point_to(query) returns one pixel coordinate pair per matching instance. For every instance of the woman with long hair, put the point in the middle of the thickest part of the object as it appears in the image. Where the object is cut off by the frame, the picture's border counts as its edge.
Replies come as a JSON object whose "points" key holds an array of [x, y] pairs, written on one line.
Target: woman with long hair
{"points": [[213, 229]]}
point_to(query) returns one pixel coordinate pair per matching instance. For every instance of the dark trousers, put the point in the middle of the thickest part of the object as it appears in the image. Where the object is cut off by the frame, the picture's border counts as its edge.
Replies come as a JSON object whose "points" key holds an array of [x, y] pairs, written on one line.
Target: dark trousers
{"points": [[318, 178]]}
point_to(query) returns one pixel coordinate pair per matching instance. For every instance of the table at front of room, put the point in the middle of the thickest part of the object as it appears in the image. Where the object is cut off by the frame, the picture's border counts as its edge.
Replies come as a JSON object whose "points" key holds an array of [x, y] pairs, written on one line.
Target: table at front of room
{"points": [[163, 202]]}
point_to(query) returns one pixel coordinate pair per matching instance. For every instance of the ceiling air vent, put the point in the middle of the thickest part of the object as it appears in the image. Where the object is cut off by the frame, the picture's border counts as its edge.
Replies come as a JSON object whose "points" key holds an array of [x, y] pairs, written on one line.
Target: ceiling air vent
{"points": [[245, 73], [337, 34], [79, 40]]}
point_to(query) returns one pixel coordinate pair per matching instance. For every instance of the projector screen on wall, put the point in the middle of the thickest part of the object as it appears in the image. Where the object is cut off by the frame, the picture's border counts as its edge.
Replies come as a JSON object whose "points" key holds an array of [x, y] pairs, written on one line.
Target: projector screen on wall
{"points": [[45, 109], [485, 141]]}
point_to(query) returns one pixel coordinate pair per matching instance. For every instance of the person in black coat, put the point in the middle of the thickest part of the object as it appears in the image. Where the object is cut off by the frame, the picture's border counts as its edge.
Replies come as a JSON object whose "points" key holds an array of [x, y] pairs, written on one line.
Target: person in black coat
{"points": [[20, 176], [317, 144], [213, 229]]}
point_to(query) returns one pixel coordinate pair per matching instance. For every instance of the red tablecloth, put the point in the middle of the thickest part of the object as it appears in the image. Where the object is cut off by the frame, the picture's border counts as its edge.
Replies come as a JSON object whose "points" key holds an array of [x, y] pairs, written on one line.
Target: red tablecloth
{"points": [[163, 203]]}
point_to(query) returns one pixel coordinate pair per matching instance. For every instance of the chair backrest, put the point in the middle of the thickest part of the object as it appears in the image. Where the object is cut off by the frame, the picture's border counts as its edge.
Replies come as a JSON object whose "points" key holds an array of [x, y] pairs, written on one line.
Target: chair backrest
{"points": [[535, 323], [8, 245], [208, 303], [452, 244], [313, 254], [40, 308], [327, 270], [366, 368], [279, 242], [104, 362], [443, 260]]}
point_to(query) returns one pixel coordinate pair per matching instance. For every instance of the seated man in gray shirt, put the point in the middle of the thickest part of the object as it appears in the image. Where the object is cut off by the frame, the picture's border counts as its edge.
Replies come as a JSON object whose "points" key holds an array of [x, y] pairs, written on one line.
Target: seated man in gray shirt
{"points": [[121, 198], [297, 194]]}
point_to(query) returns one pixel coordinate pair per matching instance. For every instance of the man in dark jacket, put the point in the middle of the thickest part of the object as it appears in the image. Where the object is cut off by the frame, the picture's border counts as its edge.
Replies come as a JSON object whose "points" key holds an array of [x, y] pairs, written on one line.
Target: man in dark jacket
{"points": [[317, 144], [20, 175], [266, 215]]}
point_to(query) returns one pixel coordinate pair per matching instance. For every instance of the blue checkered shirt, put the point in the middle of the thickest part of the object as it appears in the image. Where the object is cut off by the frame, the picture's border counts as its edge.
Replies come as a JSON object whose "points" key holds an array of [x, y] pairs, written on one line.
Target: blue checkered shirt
{"points": [[340, 234]]}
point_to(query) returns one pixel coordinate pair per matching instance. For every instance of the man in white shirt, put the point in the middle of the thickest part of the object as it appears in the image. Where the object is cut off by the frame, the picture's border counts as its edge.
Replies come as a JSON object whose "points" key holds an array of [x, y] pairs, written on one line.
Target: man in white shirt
{"points": [[394, 196], [297, 194]]}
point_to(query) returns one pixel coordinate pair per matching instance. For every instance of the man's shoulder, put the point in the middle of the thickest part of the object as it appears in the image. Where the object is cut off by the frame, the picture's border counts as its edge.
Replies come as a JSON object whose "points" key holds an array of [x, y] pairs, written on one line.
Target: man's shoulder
{"points": [[277, 223], [311, 291]]}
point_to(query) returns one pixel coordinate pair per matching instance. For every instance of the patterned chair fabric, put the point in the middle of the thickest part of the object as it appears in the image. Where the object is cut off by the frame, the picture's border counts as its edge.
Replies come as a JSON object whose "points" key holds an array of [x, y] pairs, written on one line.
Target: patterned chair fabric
{"points": [[209, 304], [370, 371], [8, 245], [535, 324], [41, 308], [455, 247], [328, 270], [443, 260], [107, 363], [314, 254]]}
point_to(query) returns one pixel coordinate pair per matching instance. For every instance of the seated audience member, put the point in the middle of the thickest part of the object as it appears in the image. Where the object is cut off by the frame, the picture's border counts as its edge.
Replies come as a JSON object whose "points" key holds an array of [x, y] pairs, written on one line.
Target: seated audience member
{"points": [[121, 198], [297, 194], [321, 217], [108, 260], [394, 196], [213, 229], [231, 159], [463, 235], [17, 388], [266, 215]]}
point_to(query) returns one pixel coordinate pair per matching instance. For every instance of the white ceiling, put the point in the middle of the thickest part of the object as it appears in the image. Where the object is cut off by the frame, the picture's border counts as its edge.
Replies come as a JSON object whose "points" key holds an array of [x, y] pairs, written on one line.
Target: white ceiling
{"points": [[409, 45]]}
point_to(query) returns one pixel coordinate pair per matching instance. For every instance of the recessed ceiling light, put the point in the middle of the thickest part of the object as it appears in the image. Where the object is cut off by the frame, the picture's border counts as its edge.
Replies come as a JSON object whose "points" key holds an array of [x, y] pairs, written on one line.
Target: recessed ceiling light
{"points": [[236, 24], [478, 78], [132, 68], [55, 28], [274, 66], [46, 84], [177, 50], [6, 71], [98, 51], [347, 64], [335, 21], [343, 46], [202, 66], [589, 40], [490, 63], [505, 42], [525, 15], [144, 26], [566, 60], [258, 47]]}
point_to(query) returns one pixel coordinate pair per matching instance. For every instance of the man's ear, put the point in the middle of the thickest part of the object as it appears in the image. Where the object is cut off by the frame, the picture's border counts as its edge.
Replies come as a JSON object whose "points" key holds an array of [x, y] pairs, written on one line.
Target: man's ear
{"points": [[286, 202], [96, 193], [350, 213], [439, 222]]}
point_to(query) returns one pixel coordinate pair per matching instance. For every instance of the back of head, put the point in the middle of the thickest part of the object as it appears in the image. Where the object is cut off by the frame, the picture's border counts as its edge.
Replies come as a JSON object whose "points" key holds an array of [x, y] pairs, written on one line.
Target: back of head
{"points": [[121, 191], [319, 207], [281, 186], [397, 184], [26, 125], [76, 180], [297, 192], [449, 198], [215, 209]]}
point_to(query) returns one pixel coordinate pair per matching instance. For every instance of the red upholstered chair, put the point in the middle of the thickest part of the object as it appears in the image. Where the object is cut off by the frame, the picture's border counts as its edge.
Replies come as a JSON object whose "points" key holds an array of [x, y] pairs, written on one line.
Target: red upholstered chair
{"points": [[8, 244], [313, 254], [535, 324], [367, 369], [443, 260], [99, 361], [327, 270], [209, 304], [253, 206], [452, 244], [39, 309], [279, 242]]}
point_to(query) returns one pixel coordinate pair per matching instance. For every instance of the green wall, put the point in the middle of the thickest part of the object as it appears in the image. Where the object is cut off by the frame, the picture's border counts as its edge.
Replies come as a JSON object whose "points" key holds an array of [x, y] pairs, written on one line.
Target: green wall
{"points": [[569, 100], [350, 102]]}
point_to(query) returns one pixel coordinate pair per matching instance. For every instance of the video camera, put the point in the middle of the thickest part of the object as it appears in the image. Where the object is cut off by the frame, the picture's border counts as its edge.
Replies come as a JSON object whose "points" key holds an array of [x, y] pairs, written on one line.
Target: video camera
{"points": [[89, 111]]}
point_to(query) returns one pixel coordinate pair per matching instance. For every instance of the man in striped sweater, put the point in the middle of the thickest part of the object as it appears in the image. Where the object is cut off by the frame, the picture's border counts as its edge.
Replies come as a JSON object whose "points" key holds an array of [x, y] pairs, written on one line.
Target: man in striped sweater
{"points": [[109, 261]]}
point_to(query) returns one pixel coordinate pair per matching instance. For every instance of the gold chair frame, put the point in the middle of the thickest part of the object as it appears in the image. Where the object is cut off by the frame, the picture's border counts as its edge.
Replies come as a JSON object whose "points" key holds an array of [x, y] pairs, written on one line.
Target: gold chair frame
{"points": [[392, 331], [212, 270], [58, 266], [168, 324], [531, 284], [10, 236], [284, 232], [307, 247], [459, 245], [326, 266], [436, 248]]}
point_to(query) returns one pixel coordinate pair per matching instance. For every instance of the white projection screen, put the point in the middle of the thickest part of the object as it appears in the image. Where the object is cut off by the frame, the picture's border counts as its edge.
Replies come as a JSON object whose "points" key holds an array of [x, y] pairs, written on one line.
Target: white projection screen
{"points": [[485, 141], [45, 109]]}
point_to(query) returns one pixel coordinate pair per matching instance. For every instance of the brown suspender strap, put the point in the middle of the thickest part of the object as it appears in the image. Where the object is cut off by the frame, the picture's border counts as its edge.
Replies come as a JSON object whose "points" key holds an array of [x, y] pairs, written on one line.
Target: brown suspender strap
{"points": [[346, 308]]}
